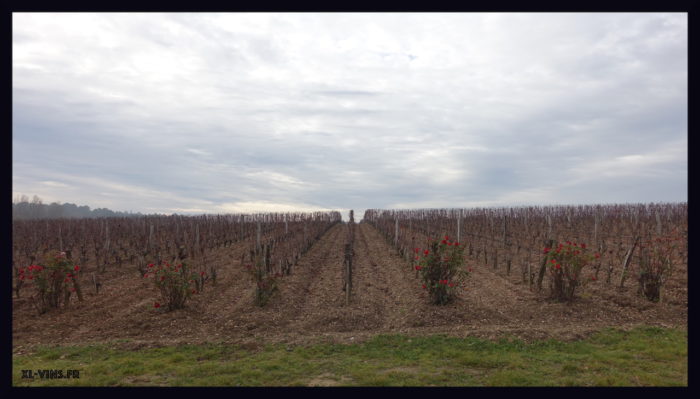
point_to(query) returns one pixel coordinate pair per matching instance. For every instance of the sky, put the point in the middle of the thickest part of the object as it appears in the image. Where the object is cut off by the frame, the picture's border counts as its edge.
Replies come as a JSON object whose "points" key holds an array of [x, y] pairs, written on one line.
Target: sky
{"points": [[193, 113]]}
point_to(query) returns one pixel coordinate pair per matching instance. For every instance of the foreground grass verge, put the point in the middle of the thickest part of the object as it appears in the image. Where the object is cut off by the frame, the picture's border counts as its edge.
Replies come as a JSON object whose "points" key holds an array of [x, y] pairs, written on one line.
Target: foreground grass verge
{"points": [[639, 357]]}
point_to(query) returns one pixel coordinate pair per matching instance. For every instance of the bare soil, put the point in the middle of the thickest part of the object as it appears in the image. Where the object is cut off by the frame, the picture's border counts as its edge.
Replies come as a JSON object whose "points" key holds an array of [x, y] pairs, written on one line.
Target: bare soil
{"points": [[309, 305]]}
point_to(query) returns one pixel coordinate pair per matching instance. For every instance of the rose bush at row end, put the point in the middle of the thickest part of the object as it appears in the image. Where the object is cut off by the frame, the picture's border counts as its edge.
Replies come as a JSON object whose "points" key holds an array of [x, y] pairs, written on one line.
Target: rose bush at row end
{"points": [[54, 280], [565, 263], [176, 283], [441, 269]]}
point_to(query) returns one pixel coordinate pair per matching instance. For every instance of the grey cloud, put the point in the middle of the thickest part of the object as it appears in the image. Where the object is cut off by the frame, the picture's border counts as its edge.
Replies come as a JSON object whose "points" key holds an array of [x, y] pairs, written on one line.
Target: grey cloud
{"points": [[342, 93], [247, 110]]}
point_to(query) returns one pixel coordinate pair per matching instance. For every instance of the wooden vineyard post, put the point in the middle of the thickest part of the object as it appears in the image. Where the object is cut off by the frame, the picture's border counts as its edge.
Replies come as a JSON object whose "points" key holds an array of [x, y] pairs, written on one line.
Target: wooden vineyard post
{"points": [[348, 272], [266, 253], [625, 264], [459, 219], [96, 283], [396, 233], [242, 232], [549, 244], [529, 268], [506, 250], [196, 243], [349, 253], [106, 249], [150, 240], [413, 238], [528, 249], [595, 231]]}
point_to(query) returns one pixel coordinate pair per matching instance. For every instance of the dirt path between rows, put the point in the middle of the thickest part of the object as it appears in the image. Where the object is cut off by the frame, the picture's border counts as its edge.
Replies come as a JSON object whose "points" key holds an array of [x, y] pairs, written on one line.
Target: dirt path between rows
{"points": [[310, 304]]}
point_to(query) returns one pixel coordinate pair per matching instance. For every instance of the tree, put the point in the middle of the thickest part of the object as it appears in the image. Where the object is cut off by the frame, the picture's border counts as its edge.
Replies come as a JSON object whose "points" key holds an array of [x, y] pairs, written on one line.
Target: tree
{"points": [[36, 208], [55, 211]]}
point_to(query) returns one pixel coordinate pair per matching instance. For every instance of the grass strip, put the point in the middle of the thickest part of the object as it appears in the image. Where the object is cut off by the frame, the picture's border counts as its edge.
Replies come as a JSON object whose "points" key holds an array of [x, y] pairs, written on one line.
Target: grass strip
{"points": [[644, 356]]}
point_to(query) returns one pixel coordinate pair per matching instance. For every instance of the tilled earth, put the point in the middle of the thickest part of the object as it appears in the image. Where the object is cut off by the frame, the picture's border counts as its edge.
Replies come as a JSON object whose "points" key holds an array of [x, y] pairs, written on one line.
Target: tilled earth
{"points": [[309, 306]]}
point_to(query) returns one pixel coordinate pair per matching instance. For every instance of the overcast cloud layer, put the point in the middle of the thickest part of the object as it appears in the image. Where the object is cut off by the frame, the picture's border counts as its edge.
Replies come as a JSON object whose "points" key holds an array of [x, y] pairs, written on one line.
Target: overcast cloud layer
{"points": [[241, 112]]}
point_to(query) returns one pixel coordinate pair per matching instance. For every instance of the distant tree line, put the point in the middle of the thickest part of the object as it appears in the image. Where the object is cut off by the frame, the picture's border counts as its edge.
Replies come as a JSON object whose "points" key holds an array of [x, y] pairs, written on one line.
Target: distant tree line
{"points": [[22, 208]]}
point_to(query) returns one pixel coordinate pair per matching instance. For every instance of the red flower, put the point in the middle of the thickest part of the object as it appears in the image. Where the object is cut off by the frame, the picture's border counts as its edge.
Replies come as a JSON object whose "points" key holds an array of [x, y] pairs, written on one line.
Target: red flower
{"points": [[194, 292], [76, 268], [558, 266], [451, 284], [553, 261], [583, 245], [449, 243], [447, 238], [593, 278], [416, 258], [156, 305], [444, 241], [418, 267], [597, 255], [456, 244], [162, 278], [423, 286], [201, 274], [568, 242], [416, 250], [426, 252], [151, 265]]}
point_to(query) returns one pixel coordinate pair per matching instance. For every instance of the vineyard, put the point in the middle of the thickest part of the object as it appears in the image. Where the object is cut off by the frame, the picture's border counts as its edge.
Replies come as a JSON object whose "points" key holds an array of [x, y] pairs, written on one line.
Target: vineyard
{"points": [[531, 272]]}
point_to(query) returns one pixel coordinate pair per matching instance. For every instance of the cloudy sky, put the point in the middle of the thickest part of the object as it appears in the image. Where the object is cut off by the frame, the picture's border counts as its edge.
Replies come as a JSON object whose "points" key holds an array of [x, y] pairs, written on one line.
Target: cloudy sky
{"points": [[240, 112]]}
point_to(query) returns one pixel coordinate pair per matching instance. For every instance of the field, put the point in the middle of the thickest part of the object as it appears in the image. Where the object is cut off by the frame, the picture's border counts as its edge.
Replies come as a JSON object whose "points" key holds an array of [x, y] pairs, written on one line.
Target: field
{"points": [[309, 309]]}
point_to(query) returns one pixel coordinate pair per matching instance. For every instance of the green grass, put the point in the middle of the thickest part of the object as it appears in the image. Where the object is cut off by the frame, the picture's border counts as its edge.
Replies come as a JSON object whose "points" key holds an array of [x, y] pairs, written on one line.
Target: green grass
{"points": [[640, 357]]}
